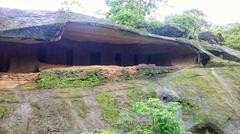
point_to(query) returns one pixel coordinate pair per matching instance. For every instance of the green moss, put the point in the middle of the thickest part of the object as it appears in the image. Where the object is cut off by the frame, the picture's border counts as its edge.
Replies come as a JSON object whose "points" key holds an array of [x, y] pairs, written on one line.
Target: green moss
{"points": [[109, 109], [4, 113], [218, 62], [208, 98], [69, 79], [188, 107], [79, 106]]}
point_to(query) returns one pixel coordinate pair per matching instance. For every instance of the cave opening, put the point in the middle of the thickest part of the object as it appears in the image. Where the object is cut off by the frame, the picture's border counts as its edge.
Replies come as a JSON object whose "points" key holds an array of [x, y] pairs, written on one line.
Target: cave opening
{"points": [[207, 128], [32, 57]]}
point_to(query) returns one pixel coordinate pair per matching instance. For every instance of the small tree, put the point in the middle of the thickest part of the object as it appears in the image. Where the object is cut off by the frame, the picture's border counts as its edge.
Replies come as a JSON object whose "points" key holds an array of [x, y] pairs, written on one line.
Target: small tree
{"points": [[193, 21], [131, 13]]}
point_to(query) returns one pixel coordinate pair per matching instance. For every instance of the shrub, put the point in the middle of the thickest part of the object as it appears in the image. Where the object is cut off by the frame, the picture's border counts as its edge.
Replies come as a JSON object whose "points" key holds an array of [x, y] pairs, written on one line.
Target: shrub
{"points": [[69, 79]]}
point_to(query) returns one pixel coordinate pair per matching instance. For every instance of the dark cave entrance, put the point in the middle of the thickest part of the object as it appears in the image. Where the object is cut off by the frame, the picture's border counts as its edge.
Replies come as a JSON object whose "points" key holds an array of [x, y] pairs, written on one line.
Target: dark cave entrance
{"points": [[208, 128], [31, 57]]}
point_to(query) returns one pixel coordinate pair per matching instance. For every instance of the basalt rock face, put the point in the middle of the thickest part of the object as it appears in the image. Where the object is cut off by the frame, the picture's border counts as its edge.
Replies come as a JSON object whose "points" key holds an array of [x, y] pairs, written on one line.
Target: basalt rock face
{"points": [[169, 31], [210, 37]]}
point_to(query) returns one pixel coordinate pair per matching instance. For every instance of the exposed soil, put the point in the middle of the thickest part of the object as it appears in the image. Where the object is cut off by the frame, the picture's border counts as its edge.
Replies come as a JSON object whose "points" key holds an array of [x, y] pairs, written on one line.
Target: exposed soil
{"points": [[51, 111]]}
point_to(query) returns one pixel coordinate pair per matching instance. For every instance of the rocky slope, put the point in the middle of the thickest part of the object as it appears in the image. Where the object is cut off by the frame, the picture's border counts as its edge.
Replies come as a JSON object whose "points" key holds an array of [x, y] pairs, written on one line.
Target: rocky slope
{"points": [[210, 98]]}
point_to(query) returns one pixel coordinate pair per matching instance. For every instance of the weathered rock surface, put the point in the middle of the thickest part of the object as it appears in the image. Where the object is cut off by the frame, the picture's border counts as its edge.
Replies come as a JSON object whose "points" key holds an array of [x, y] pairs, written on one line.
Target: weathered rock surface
{"points": [[167, 95], [209, 37], [169, 31]]}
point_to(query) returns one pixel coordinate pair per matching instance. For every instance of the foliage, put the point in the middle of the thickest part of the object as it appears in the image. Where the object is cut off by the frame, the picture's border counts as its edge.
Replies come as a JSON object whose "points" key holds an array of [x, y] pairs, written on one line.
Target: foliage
{"points": [[150, 24], [150, 117], [134, 94], [131, 13], [109, 109], [68, 79], [162, 115], [188, 107], [150, 73], [231, 35], [193, 21]]}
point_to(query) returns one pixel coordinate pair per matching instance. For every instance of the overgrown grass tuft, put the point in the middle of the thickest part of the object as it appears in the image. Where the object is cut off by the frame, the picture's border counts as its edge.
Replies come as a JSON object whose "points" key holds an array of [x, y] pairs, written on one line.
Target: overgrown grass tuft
{"points": [[109, 109], [4, 113], [69, 79], [151, 73], [79, 106]]}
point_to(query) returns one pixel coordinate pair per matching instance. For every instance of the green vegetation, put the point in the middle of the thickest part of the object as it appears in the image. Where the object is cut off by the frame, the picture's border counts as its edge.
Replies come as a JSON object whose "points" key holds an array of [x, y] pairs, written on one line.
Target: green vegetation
{"points": [[159, 118], [7, 97], [210, 97], [151, 73], [7, 103], [134, 94], [188, 107], [79, 106], [231, 34], [3, 111], [146, 73], [69, 79], [109, 109], [28, 86], [192, 21], [218, 62], [19, 129], [131, 13], [163, 115]]}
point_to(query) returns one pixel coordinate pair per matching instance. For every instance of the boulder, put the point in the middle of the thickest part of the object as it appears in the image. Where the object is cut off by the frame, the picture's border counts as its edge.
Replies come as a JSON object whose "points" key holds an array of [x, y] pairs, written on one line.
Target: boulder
{"points": [[169, 31], [209, 37], [167, 95]]}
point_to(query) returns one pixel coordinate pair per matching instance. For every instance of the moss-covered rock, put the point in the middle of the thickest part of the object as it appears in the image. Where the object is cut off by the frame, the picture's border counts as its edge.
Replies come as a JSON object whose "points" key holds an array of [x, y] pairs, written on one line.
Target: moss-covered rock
{"points": [[211, 95]]}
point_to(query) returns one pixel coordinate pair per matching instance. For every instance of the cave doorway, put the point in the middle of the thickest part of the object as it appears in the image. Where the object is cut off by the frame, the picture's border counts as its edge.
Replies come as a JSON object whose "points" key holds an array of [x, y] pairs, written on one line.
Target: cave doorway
{"points": [[95, 58], [69, 57], [208, 128]]}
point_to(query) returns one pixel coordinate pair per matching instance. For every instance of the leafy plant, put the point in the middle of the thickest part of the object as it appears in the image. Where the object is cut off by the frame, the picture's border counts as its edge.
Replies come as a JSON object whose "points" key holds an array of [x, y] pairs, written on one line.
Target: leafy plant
{"points": [[163, 115], [69, 79]]}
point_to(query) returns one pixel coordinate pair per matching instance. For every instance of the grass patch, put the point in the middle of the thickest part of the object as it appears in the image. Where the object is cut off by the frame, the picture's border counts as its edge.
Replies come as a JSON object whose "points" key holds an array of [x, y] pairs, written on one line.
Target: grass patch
{"points": [[151, 73], [69, 79], [4, 112], [28, 86], [7, 97], [79, 106], [210, 101], [134, 94], [188, 107], [109, 109], [19, 129], [218, 62]]}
